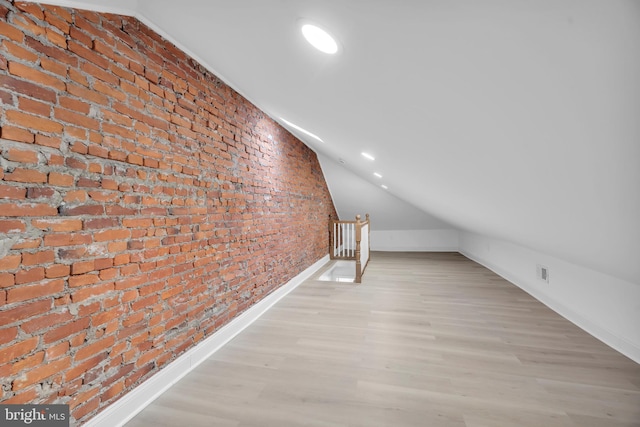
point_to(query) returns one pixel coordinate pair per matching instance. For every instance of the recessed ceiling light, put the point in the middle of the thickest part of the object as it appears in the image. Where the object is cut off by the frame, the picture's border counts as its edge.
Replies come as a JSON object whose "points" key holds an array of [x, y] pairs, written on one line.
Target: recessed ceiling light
{"points": [[377, 174], [319, 38], [384, 186], [296, 127], [368, 156]]}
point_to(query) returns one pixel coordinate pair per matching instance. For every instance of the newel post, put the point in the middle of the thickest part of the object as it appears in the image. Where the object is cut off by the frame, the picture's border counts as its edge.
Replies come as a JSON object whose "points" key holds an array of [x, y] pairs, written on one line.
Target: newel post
{"points": [[331, 238]]}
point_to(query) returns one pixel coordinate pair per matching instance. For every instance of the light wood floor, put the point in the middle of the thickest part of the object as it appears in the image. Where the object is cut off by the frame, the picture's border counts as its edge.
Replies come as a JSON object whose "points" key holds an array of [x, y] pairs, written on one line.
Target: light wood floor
{"points": [[426, 340]]}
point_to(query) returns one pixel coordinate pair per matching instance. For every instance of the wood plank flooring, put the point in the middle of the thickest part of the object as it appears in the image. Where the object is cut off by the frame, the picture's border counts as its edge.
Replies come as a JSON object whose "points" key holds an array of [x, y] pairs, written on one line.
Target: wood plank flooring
{"points": [[427, 339]]}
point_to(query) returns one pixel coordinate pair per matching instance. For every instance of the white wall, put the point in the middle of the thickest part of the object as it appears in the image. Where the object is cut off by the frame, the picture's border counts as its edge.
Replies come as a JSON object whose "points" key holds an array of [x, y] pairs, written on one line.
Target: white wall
{"points": [[605, 306], [395, 224], [443, 240]]}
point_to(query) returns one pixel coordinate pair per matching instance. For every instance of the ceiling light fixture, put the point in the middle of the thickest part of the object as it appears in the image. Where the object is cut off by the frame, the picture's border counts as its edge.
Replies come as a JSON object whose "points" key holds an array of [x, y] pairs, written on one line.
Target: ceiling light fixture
{"points": [[296, 127], [320, 39], [368, 156], [384, 186], [377, 174]]}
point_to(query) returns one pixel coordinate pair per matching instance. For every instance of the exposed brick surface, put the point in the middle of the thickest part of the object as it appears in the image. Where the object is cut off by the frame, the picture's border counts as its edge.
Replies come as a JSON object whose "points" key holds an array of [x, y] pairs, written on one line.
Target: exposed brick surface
{"points": [[143, 205]]}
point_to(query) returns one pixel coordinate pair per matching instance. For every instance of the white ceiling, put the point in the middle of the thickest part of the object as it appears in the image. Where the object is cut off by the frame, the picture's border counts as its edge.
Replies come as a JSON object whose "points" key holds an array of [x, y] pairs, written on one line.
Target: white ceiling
{"points": [[517, 119]]}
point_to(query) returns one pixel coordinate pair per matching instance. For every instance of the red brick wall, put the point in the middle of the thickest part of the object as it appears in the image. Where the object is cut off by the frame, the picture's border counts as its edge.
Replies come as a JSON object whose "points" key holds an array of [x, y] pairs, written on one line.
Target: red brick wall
{"points": [[143, 204]]}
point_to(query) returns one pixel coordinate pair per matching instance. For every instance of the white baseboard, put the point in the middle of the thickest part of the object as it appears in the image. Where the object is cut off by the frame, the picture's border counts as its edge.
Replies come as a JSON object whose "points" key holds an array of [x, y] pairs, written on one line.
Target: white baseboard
{"points": [[610, 338], [123, 410]]}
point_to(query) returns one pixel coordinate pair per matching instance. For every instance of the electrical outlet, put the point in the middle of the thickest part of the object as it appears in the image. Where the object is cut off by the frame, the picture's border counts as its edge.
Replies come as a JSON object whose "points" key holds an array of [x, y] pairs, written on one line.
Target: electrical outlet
{"points": [[542, 272]]}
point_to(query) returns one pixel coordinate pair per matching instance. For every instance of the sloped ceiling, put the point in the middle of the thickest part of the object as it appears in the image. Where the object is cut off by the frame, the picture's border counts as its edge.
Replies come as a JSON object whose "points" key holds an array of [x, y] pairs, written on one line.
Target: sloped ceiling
{"points": [[518, 120], [354, 195]]}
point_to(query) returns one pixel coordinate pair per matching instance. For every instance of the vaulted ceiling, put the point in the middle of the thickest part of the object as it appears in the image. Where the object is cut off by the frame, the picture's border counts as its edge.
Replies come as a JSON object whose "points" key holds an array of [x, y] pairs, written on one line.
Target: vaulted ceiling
{"points": [[518, 120]]}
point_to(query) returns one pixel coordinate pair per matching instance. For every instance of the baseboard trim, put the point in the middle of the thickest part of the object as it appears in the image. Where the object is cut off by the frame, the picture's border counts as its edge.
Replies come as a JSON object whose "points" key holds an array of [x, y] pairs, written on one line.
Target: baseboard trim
{"points": [[123, 410], [614, 341]]}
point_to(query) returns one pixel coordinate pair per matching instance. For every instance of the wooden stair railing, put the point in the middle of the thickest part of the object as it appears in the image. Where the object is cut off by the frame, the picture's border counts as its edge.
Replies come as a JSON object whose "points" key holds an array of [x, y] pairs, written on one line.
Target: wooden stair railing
{"points": [[349, 240]]}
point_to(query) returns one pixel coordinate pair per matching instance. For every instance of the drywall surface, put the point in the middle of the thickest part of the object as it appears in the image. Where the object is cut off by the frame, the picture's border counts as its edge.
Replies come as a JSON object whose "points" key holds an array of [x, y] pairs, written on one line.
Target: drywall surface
{"points": [[415, 240]]}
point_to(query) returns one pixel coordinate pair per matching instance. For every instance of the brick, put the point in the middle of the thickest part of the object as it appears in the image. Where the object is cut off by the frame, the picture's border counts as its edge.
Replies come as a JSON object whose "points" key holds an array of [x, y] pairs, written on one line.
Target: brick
{"points": [[112, 391], [7, 280], [74, 104], [12, 192], [61, 179], [81, 368], [18, 350], [58, 350], [39, 290], [66, 254], [8, 334], [89, 55], [52, 52], [28, 209], [40, 373], [38, 77], [56, 21], [109, 235], [39, 192], [82, 267], [27, 244], [67, 330], [63, 12], [31, 8], [86, 94], [79, 119], [29, 276], [10, 262], [87, 292], [48, 141], [45, 321], [54, 67], [76, 196], [55, 224], [12, 226], [21, 156], [94, 348], [11, 32], [25, 397], [19, 52], [100, 73], [86, 408], [58, 270], [27, 363], [16, 134], [26, 175], [23, 311], [66, 239], [33, 122], [106, 316], [83, 280], [56, 38], [42, 257], [94, 210], [36, 107], [79, 36], [27, 88], [98, 223], [103, 263]]}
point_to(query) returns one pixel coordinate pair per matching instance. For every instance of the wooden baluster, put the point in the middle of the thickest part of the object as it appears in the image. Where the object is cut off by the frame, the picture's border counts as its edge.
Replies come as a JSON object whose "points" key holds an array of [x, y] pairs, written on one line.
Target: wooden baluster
{"points": [[358, 227]]}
